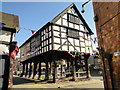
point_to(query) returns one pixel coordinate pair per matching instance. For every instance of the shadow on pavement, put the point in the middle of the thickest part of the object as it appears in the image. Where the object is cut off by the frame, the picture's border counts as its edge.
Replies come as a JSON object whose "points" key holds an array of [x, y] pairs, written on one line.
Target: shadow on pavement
{"points": [[18, 80]]}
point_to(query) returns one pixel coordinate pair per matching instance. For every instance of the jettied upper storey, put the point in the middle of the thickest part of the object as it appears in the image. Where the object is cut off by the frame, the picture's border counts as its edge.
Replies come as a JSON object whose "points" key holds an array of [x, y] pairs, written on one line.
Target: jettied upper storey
{"points": [[68, 31]]}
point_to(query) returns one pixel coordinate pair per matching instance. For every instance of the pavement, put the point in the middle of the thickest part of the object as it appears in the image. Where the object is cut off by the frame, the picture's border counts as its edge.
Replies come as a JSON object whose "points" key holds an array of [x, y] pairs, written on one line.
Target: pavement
{"points": [[94, 83]]}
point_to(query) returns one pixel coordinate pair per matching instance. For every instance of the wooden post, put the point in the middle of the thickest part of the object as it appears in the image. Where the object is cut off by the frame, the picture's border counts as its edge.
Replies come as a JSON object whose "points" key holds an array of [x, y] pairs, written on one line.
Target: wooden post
{"points": [[61, 71], [54, 67], [39, 70], [54, 71], [23, 69], [50, 68], [68, 65], [74, 69], [46, 72], [34, 71], [86, 66], [26, 69], [30, 70]]}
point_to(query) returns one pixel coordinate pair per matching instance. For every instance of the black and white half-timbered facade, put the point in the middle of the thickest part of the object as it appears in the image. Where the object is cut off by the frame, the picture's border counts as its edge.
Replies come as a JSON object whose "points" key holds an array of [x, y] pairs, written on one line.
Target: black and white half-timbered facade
{"points": [[63, 44]]}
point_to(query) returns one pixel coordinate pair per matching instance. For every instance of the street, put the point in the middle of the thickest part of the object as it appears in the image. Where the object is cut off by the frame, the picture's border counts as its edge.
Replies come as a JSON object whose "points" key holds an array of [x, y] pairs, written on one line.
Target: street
{"points": [[94, 82]]}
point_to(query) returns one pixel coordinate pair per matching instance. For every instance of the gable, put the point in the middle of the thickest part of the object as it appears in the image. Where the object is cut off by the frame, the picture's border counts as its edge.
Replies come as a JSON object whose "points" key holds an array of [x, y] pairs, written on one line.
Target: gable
{"points": [[72, 18]]}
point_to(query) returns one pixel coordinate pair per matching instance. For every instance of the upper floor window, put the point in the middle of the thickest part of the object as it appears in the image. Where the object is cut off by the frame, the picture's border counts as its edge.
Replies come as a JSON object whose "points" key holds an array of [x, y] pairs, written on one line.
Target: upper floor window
{"points": [[73, 19], [73, 33]]}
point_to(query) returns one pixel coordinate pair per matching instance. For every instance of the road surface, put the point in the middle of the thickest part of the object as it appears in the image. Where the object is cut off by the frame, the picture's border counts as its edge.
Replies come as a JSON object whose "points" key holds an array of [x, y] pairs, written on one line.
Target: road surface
{"points": [[94, 82]]}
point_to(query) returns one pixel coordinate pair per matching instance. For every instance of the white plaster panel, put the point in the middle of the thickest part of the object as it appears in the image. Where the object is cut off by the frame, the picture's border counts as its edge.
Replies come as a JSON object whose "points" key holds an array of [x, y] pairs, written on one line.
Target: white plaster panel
{"points": [[82, 28], [71, 41], [91, 50], [63, 35], [63, 40], [64, 48], [65, 16], [50, 46], [65, 22], [87, 43], [42, 32], [87, 50], [59, 21], [47, 48], [42, 38], [69, 11], [76, 42], [56, 33], [50, 40], [82, 49], [78, 49], [49, 28], [49, 34], [81, 39], [71, 25], [81, 34], [56, 40], [44, 43], [82, 43], [76, 26], [63, 29], [56, 46], [71, 48], [44, 49], [56, 27]]}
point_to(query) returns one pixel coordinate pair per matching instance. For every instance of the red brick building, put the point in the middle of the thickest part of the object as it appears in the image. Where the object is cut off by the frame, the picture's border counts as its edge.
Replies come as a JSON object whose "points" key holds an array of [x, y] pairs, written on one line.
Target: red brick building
{"points": [[107, 18]]}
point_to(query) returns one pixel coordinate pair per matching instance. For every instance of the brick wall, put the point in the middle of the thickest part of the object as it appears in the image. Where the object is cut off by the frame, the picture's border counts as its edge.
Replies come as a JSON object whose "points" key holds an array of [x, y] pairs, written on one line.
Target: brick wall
{"points": [[108, 32]]}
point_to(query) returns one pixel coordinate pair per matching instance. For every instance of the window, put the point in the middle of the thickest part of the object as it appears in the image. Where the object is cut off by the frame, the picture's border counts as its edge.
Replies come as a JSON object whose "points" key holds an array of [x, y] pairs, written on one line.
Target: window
{"points": [[73, 33], [74, 19]]}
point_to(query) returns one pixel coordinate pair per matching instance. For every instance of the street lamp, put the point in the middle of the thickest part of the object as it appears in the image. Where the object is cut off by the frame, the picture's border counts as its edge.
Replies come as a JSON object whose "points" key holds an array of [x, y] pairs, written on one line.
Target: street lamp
{"points": [[83, 6]]}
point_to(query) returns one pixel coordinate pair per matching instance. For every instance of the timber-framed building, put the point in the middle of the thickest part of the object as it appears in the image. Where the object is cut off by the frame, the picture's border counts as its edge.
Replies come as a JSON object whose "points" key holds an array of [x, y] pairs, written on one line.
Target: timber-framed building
{"points": [[63, 43]]}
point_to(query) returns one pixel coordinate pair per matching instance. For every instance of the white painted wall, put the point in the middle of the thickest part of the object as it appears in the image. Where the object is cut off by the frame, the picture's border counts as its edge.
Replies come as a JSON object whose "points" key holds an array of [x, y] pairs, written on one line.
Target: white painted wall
{"points": [[4, 36]]}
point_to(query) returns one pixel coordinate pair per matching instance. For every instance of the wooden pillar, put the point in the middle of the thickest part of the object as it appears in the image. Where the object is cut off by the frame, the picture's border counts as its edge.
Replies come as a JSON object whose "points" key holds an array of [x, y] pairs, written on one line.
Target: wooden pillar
{"points": [[54, 58], [76, 68], [23, 69], [46, 71], [26, 69], [86, 66], [68, 66], [73, 69], [54, 71], [39, 70], [34, 71], [30, 69], [61, 69], [50, 68]]}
